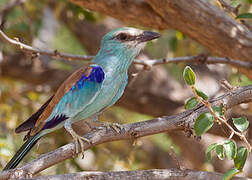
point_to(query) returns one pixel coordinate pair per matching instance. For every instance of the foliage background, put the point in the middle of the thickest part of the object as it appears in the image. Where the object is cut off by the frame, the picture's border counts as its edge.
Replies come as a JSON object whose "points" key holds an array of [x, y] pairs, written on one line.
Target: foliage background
{"points": [[42, 24]]}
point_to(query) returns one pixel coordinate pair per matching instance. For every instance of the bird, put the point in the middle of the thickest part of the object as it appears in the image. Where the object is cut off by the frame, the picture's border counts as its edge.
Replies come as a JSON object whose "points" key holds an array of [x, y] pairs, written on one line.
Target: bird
{"points": [[87, 92]]}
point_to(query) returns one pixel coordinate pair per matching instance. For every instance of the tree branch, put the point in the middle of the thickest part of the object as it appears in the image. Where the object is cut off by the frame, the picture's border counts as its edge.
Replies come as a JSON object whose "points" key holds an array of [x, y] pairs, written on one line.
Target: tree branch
{"points": [[154, 174], [181, 121], [138, 97], [37, 51], [199, 19], [201, 59]]}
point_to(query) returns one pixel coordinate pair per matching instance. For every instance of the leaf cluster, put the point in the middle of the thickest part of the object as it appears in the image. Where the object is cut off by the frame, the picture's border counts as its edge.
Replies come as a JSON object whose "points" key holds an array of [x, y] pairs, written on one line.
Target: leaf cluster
{"points": [[206, 120]]}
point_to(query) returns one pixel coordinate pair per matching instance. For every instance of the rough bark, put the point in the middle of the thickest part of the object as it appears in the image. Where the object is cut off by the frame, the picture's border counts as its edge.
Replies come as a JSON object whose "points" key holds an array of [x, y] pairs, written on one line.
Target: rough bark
{"points": [[199, 19], [181, 121], [153, 174]]}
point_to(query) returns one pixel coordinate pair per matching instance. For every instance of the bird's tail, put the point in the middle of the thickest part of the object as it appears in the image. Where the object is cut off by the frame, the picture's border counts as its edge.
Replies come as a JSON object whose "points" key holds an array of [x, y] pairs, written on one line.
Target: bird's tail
{"points": [[20, 154]]}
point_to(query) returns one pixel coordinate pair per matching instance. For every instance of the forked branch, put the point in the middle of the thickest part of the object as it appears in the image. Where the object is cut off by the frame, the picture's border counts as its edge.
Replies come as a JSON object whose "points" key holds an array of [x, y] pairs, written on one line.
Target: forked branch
{"points": [[181, 121]]}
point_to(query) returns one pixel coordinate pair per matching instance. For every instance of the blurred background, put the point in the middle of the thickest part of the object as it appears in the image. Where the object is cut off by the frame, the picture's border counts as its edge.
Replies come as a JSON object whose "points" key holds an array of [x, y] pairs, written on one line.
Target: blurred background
{"points": [[26, 82]]}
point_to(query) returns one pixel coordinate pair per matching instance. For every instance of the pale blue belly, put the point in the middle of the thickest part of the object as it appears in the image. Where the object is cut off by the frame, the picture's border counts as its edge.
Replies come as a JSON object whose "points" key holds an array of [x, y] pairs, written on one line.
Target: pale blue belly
{"points": [[110, 92]]}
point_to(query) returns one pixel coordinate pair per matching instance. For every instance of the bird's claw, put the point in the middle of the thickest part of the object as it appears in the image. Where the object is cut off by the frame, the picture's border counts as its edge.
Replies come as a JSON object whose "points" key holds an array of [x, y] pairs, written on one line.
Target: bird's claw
{"points": [[79, 144], [115, 126]]}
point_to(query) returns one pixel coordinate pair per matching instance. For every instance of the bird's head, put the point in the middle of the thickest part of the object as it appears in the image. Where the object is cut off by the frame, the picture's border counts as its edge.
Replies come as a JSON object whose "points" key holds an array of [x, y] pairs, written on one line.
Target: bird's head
{"points": [[126, 42], [128, 38]]}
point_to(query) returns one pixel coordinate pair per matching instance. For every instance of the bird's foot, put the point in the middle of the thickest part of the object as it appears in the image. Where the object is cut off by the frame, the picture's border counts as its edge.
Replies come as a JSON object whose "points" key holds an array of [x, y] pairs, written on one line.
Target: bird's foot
{"points": [[78, 140], [115, 126], [79, 143]]}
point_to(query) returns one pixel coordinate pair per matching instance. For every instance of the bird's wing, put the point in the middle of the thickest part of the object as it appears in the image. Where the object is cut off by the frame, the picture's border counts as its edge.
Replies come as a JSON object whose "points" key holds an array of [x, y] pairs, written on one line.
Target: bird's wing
{"points": [[75, 92], [30, 122]]}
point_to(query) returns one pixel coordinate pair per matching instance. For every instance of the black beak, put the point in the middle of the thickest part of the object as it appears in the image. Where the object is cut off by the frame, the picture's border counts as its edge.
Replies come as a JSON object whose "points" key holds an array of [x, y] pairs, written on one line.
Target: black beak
{"points": [[147, 36]]}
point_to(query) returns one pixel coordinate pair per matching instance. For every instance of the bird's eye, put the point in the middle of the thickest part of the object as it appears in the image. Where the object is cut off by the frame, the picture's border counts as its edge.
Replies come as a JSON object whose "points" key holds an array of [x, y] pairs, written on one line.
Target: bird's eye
{"points": [[123, 36]]}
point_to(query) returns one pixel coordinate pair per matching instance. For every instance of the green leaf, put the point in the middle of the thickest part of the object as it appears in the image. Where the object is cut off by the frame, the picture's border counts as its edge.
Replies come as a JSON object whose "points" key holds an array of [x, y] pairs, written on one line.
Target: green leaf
{"points": [[203, 123], [241, 157], [218, 110], [244, 15], [210, 148], [250, 1], [230, 149], [235, 3], [189, 76], [228, 175], [220, 151], [201, 94], [191, 103], [241, 123]]}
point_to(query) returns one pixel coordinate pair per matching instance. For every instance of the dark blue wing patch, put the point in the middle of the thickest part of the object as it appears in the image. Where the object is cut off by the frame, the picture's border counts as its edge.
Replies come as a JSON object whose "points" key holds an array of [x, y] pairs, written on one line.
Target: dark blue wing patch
{"points": [[96, 75], [55, 121]]}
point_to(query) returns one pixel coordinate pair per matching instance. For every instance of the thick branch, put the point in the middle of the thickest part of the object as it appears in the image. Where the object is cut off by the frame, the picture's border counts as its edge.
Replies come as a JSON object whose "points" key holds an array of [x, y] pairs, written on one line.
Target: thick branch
{"points": [[130, 132], [154, 174], [209, 25], [199, 19]]}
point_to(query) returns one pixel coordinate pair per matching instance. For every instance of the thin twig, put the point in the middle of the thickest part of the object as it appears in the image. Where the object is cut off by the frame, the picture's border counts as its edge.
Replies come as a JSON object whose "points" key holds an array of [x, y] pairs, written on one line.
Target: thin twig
{"points": [[37, 51], [175, 159], [234, 11], [129, 132], [227, 85], [200, 59], [231, 135], [222, 119]]}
